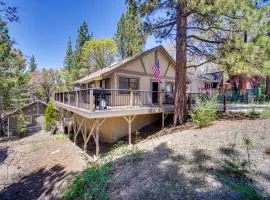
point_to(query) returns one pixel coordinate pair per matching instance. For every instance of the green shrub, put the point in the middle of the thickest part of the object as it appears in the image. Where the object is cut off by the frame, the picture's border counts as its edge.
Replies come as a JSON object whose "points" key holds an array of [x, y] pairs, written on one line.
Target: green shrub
{"points": [[92, 183], [50, 116], [204, 112], [265, 113], [21, 125], [253, 113]]}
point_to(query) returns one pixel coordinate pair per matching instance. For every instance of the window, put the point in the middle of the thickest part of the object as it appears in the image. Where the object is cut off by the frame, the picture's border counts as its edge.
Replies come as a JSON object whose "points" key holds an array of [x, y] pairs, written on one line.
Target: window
{"points": [[105, 83], [208, 85], [128, 83], [28, 120], [83, 86], [169, 87]]}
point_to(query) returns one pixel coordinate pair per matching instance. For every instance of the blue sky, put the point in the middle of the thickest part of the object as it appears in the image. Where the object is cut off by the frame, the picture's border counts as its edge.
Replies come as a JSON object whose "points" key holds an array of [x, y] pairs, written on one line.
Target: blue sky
{"points": [[46, 24]]}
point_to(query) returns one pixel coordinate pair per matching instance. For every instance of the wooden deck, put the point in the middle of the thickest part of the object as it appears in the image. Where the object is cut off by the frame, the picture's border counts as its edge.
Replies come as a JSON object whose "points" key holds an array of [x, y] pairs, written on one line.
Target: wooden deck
{"points": [[119, 112], [84, 111]]}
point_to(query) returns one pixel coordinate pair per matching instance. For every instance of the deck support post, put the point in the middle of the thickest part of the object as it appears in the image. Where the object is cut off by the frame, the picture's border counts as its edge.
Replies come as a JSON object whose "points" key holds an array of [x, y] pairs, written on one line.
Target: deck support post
{"points": [[69, 118], [68, 124], [164, 116], [74, 125], [80, 126], [97, 136], [129, 120], [86, 138], [62, 120], [84, 133]]}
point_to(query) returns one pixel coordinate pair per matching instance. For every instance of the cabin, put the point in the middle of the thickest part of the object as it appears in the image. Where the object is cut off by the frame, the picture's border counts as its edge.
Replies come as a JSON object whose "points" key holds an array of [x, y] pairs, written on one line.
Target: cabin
{"points": [[34, 114], [120, 99], [208, 83]]}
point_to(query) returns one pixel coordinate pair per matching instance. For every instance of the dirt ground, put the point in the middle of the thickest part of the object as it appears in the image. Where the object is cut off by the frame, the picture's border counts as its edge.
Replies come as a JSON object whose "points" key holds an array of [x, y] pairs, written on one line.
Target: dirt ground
{"points": [[38, 166], [189, 164], [175, 164]]}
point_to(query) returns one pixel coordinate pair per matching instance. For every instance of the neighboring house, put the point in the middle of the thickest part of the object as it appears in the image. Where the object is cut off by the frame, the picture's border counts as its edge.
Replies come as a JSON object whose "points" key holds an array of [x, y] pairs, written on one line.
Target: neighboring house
{"points": [[34, 115], [244, 88], [122, 98], [209, 83]]}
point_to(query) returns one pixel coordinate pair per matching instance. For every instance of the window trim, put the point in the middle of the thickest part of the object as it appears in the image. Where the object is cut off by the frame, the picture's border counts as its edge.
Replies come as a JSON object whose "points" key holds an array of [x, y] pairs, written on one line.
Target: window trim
{"points": [[169, 82], [30, 120], [128, 77], [106, 80]]}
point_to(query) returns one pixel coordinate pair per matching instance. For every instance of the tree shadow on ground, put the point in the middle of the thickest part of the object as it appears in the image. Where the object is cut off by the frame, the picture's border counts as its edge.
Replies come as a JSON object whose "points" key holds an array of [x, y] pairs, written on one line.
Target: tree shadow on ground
{"points": [[229, 151], [164, 174], [38, 184], [3, 154]]}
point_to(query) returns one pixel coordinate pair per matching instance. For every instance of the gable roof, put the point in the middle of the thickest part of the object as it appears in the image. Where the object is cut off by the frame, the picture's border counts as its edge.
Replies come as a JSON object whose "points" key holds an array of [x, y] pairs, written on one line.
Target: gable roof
{"points": [[25, 106], [102, 73], [214, 77]]}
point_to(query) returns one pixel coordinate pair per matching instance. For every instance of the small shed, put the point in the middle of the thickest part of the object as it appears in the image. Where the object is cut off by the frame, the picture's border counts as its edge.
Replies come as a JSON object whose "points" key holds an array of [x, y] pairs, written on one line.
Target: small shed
{"points": [[34, 114]]}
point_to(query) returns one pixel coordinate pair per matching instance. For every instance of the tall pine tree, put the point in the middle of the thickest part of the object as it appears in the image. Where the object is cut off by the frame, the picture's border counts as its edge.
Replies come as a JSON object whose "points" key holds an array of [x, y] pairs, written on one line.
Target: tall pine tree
{"points": [[12, 64], [83, 36], [68, 63], [130, 36], [198, 27], [33, 64]]}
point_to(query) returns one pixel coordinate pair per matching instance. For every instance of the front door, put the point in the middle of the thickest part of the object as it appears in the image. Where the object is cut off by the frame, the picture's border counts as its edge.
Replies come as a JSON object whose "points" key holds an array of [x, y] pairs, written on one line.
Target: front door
{"points": [[154, 92]]}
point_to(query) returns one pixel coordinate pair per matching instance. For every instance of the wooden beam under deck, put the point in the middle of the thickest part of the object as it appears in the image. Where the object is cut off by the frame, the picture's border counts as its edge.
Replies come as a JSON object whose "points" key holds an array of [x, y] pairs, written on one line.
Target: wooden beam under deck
{"points": [[79, 119]]}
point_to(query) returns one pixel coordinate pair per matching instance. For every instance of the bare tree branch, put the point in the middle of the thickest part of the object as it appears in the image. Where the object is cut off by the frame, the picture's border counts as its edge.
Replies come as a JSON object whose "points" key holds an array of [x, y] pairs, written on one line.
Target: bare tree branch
{"points": [[205, 40], [192, 66]]}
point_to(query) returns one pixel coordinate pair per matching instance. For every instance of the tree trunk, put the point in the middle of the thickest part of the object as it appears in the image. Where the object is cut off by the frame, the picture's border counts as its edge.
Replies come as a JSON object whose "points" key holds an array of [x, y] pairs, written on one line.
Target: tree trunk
{"points": [[181, 71], [267, 91]]}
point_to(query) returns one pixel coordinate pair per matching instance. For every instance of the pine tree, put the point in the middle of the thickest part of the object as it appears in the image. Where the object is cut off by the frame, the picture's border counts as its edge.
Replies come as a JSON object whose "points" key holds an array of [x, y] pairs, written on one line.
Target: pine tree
{"points": [[32, 65], [68, 63], [83, 36], [199, 28], [13, 75], [130, 36]]}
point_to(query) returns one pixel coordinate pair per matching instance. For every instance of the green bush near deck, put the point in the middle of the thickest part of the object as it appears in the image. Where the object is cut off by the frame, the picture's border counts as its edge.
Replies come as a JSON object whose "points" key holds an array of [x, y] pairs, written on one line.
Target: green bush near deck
{"points": [[205, 112], [92, 183], [253, 113], [50, 117]]}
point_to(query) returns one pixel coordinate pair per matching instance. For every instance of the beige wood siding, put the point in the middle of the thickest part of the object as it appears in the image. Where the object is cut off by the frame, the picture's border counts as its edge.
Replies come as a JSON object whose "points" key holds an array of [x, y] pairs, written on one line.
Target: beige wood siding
{"points": [[120, 126], [135, 69]]}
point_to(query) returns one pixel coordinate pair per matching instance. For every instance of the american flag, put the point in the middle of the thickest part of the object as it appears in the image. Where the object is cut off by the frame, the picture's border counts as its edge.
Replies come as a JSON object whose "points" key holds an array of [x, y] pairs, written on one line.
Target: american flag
{"points": [[156, 70]]}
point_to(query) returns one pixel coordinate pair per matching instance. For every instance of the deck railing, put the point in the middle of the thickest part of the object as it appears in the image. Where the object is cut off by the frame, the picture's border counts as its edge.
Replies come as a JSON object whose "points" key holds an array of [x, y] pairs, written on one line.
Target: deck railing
{"points": [[101, 99]]}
